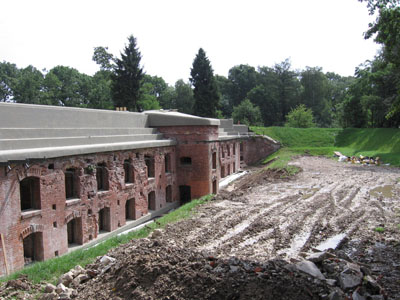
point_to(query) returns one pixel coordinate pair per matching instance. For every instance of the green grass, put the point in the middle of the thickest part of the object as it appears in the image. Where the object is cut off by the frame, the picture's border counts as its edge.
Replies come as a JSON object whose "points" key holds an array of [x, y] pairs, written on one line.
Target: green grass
{"points": [[382, 142], [379, 229], [50, 270]]}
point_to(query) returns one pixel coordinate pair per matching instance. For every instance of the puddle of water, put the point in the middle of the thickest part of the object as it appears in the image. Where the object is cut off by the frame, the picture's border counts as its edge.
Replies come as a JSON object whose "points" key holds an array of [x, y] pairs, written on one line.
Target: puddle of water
{"points": [[386, 191], [332, 242]]}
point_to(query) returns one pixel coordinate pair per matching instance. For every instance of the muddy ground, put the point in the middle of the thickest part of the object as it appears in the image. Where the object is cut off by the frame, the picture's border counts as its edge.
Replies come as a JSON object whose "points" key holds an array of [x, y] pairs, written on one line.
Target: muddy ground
{"points": [[239, 245]]}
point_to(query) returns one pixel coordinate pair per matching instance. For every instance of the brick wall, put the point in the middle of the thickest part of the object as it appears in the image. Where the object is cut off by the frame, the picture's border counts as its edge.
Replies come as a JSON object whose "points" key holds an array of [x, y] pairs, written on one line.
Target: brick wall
{"points": [[49, 223], [257, 148]]}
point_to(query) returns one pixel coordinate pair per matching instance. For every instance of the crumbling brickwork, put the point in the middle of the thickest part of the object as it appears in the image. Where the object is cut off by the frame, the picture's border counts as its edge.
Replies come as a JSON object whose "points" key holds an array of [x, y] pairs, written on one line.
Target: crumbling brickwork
{"points": [[47, 205], [44, 230]]}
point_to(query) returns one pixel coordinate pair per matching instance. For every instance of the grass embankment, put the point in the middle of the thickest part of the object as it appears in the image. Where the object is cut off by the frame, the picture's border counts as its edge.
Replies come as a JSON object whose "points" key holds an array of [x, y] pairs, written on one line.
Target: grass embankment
{"points": [[50, 270], [373, 142]]}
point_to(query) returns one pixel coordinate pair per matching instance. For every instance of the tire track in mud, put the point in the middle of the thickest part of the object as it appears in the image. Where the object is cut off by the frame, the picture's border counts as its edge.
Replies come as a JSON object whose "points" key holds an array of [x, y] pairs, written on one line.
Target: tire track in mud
{"points": [[247, 222], [285, 217]]}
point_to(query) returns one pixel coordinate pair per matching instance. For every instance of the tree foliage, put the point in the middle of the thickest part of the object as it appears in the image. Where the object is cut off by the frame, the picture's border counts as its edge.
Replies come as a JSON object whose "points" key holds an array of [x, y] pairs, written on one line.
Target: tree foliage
{"points": [[300, 117], [247, 113], [127, 77], [205, 89]]}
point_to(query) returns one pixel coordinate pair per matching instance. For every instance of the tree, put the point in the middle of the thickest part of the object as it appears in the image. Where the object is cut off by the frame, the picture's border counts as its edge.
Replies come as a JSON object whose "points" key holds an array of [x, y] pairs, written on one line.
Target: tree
{"points": [[103, 58], [243, 79], [100, 96], [288, 87], [65, 86], [205, 89], [8, 77], [224, 86], [266, 100], [28, 86], [247, 113], [300, 117], [386, 30], [184, 99], [315, 94], [127, 77]]}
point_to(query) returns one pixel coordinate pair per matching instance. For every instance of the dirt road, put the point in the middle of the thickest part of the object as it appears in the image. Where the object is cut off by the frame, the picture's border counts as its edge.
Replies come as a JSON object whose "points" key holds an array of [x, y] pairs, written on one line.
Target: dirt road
{"points": [[279, 219]]}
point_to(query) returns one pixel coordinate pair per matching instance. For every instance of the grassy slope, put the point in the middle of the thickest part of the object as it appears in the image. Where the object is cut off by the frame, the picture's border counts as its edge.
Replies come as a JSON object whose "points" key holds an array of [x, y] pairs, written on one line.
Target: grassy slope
{"points": [[50, 270], [382, 142]]}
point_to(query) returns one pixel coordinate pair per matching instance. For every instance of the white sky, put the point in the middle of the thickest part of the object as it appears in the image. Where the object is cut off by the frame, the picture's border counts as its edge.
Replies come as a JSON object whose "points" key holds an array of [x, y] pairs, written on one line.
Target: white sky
{"points": [[325, 33]]}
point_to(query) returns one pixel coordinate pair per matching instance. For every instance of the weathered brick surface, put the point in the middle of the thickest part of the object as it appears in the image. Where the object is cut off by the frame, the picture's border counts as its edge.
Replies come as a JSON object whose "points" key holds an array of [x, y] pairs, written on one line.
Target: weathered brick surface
{"points": [[190, 164], [256, 148], [56, 211]]}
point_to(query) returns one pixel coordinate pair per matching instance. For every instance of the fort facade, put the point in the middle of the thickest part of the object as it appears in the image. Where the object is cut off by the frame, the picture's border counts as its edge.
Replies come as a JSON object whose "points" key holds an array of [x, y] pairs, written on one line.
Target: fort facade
{"points": [[70, 174]]}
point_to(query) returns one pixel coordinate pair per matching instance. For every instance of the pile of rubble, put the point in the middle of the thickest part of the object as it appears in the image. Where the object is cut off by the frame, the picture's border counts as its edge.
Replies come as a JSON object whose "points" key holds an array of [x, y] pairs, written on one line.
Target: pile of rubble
{"points": [[364, 160], [156, 269]]}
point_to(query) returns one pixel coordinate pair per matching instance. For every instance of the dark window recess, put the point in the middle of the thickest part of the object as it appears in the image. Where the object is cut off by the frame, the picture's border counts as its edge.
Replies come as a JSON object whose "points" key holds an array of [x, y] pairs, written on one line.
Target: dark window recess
{"points": [[102, 177], [30, 193], [149, 160], [214, 160], [152, 201], [167, 161], [70, 184], [51, 166], [234, 149], [186, 161], [128, 169], [168, 194]]}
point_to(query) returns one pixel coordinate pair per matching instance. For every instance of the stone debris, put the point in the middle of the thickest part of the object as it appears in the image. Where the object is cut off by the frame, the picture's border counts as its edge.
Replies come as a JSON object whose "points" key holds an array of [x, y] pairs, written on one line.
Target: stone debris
{"points": [[153, 269]]}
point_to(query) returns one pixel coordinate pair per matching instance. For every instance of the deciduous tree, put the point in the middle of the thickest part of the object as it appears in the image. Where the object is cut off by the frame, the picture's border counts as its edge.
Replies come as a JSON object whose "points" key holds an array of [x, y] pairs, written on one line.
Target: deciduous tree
{"points": [[300, 117]]}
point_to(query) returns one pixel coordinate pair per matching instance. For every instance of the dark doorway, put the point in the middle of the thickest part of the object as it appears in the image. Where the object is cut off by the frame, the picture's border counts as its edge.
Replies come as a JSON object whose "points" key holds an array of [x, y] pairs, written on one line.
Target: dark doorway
{"points": [[152, 201], [130, 209], [74, 231], [30, 193], [185, 193], [168, 194], [214, 187], [104, 219], [33, 247], [214, 160]]}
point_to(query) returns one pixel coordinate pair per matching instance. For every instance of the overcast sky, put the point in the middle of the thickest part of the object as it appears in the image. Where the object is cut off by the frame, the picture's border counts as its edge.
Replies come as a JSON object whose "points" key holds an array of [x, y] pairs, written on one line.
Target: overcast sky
{"points": [[325, 33]]}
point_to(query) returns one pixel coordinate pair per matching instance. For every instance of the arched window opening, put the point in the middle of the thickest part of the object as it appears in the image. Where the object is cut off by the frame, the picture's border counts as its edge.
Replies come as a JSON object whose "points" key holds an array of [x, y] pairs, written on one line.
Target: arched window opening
{"points": [[30, 193]]}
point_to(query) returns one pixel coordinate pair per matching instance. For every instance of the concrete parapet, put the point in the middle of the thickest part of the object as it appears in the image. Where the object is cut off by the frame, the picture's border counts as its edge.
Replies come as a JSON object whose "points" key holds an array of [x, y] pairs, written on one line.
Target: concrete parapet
{"points": [[16, 115]]}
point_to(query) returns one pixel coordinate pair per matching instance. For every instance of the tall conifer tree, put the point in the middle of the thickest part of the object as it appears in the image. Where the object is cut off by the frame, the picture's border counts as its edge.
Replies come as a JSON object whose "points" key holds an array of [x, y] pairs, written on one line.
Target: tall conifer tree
{"points": [[205, 89], [127, 77]]}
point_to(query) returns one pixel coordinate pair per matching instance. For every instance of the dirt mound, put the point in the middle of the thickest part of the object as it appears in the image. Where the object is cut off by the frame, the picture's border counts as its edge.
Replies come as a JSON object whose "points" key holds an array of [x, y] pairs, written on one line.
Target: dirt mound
{"points": [[20, 288], [153, 269]]}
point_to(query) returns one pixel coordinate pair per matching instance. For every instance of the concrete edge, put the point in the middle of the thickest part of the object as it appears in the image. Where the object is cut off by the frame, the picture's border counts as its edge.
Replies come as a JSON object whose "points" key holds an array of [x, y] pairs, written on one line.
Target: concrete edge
{"points": [[53, 152]]}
